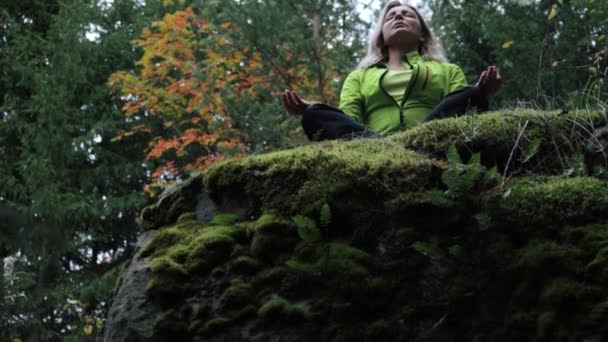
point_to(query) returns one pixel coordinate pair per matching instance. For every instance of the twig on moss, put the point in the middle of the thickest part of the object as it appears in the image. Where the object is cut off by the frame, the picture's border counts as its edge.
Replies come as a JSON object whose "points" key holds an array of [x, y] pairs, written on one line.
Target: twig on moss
{"points": [[521, 133]]}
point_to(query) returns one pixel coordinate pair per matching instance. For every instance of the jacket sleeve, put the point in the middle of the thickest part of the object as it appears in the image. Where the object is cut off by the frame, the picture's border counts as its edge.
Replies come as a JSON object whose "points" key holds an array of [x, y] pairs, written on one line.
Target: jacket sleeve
{"points": [[351, 101], [457, 78]]}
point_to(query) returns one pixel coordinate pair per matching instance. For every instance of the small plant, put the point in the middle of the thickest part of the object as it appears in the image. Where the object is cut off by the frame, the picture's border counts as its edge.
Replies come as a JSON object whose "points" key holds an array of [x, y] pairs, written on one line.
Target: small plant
{"points": [[464, 182], [307, 228]]}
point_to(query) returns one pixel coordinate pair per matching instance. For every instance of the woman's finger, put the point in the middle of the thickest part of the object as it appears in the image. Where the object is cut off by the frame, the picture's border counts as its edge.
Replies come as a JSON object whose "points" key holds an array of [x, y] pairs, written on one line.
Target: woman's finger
{"points": [[285, 100], [299, 105], [288, 103], [299, 100], [483, 78], [492, 72], [292, 101]]}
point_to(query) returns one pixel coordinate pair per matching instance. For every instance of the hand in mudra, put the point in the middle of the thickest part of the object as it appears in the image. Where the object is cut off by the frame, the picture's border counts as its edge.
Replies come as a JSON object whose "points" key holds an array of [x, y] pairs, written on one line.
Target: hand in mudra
{"points": [[490, 81], [293, 103]]}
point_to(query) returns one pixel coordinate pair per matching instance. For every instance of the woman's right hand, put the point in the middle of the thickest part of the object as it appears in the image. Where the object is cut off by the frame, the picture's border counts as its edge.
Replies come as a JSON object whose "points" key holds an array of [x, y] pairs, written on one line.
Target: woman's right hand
{"points": [[293, 103]]}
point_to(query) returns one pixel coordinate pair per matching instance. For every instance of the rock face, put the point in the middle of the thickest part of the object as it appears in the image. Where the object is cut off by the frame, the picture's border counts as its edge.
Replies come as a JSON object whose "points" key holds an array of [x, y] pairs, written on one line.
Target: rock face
{"points": [[477, 228]]}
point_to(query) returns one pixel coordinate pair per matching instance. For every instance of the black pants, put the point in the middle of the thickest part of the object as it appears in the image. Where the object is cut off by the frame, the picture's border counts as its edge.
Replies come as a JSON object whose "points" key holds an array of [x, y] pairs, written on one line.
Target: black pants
{"points": [[322, 122]]}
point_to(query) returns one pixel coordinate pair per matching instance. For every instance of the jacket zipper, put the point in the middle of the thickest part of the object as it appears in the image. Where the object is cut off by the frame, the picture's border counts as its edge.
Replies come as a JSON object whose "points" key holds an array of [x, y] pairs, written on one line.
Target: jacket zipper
{"points": [[406, 95], [426, 78]]}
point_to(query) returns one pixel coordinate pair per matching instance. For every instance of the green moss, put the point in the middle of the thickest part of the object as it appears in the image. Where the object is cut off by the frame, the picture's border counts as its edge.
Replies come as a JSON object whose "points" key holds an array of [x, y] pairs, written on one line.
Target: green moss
{"points": [[278, 310], [168, 323], [269, 276], [273, 236], [494, 134], [210, 248], [168, 278], [298, 181], [166, 265], [381, 330], [215, 325], [598, 264], [269, 247], [247, 312], [173, 202], [543, 256], [599, 313], [565, 291], [273, 224], [185, 217], [224, 219], [165, 287], [555, 200], [335, 260], [236, 295], [148, 217], [544, 325], [163, 239], [178, 252], [246, 265]]}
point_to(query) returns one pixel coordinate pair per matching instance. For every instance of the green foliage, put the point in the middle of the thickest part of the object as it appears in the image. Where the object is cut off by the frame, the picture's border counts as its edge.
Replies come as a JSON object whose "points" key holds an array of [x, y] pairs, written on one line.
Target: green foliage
{"points": [[462, 180], [545, 49], [426, 248], [465, 185]]}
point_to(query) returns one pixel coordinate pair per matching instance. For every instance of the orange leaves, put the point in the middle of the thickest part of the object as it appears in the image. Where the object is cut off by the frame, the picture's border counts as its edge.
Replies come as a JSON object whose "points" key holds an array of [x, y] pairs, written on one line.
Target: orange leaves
{"points": [[183, 92], [160, 146], [189, 73]]}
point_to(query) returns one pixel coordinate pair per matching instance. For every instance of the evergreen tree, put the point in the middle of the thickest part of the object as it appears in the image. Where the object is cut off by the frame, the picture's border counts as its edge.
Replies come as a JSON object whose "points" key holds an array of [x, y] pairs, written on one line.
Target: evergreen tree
{"points": [[546, 49], [75, 191]]}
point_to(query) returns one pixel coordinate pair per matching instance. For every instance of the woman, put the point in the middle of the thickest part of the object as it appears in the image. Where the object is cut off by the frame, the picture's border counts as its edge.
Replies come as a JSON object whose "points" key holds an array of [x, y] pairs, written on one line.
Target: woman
{"points": [[403, 80]]}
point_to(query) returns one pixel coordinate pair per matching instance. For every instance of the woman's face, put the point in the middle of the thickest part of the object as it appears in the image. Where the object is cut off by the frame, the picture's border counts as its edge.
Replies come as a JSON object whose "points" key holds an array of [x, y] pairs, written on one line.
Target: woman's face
{"points": [[401, 27]]}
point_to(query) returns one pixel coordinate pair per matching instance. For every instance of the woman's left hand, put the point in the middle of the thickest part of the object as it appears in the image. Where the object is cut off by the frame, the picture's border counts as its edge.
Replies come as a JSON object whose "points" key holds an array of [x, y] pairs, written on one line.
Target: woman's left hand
{"points": [[490, 81]]}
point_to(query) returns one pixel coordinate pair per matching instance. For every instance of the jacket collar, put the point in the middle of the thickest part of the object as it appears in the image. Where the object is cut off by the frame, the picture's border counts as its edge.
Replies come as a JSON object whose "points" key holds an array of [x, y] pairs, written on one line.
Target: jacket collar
{"points": [[408, 59]]}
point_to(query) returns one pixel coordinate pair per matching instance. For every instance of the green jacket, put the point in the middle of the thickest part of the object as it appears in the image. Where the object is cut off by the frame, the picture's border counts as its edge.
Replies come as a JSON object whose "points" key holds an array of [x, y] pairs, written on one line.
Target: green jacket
{"points": [[364, 99]]}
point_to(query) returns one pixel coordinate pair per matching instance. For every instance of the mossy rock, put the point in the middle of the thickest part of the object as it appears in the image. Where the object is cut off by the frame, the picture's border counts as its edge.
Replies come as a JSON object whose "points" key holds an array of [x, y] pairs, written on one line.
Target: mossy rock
{"points": [[554, 201], [273, 235], [538, 140], [169, 325], [522, 258], [246, 265], [303, 179], [173, 202], [237, 295]]}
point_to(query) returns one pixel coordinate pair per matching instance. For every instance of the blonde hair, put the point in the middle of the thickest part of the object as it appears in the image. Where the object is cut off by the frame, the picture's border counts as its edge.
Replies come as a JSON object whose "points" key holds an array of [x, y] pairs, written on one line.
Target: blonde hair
{"points": [[429, 48]]}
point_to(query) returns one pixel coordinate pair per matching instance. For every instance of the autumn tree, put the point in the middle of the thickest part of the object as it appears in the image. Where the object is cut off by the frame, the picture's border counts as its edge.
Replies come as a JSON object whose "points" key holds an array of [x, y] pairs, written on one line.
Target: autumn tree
{"points": [[177, 93], [208, 83]]}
